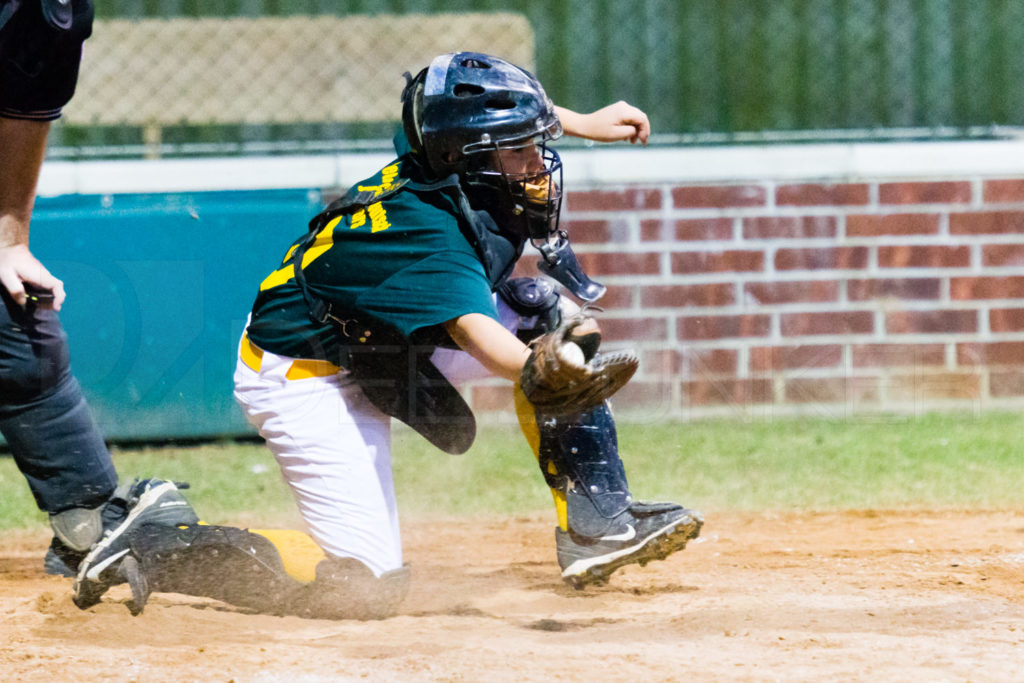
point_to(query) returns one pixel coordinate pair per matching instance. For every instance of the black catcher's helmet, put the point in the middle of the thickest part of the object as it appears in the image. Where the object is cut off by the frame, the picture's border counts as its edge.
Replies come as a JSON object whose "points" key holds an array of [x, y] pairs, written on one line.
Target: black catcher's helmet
{"points": [[464, 108]]}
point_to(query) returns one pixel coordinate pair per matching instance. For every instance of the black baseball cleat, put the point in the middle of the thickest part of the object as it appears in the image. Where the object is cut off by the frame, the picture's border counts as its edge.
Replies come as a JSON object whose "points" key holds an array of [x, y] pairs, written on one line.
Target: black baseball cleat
{"points": [[131, 571], [61, 560], [77, 531], [641, 533], [150, 501]]}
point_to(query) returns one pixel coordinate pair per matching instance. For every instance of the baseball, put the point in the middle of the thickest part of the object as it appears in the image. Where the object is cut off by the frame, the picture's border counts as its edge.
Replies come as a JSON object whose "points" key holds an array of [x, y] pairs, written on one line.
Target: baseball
{"points": [[571, 353]]}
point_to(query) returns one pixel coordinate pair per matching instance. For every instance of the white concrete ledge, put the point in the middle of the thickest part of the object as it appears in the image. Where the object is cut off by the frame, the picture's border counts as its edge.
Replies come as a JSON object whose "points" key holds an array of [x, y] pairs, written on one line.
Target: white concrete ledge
{"points": [[195, 175], [839, 162], [596, 167]]}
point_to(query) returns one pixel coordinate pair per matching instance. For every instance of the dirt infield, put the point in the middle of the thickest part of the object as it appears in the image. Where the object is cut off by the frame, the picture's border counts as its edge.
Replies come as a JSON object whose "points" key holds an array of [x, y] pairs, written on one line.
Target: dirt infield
{"points": [[866, 595]]}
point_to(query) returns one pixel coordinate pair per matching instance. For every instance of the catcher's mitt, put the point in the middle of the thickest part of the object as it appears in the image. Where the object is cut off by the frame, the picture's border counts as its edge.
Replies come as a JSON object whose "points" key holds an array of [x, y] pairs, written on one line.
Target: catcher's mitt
{"points": [[565, 374]]}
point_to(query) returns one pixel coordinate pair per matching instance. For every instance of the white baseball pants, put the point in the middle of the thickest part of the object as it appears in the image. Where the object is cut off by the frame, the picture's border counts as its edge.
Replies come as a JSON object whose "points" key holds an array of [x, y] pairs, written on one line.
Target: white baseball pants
{"points": [[334, 446]]}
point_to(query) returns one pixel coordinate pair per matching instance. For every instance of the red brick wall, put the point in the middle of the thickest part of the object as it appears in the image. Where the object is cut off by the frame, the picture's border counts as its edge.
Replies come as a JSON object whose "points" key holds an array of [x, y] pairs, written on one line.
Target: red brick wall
{"points": [[826, 298]]}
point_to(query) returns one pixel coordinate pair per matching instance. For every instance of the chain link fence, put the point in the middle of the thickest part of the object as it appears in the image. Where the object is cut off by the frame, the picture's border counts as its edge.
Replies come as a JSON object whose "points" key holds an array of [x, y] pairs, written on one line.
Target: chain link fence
{"points": [[171, 77], [194, 85]]}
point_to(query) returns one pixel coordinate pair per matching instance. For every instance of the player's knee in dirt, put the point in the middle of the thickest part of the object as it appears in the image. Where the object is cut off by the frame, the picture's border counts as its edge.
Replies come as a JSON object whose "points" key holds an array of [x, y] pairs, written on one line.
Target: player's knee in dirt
{"points": [[345, 588], [224, 563], [246, 569]]}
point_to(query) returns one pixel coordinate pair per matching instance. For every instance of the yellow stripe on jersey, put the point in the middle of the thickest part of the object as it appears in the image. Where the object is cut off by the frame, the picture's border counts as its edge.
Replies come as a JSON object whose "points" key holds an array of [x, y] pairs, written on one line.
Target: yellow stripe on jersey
{"points": [[321, 243], [278, 277], [324, 241]]}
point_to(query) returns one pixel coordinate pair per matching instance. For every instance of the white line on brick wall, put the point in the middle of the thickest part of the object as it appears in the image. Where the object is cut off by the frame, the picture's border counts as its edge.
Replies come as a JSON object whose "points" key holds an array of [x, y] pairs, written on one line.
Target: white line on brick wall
{"points": [[951, 355], [977, 196], [831, 340]]}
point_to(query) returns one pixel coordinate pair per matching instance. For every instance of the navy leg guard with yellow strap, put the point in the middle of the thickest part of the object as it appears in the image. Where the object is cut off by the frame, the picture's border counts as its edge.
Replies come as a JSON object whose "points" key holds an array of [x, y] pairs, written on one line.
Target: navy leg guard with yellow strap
{"points": [[580, 456], [269, 572], [600, 527]]}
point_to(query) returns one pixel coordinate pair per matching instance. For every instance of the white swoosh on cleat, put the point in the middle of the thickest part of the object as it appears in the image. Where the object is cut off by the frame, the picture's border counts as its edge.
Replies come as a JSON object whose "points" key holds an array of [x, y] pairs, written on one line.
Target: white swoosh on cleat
{"points": [[628, 535], [94, 571]]}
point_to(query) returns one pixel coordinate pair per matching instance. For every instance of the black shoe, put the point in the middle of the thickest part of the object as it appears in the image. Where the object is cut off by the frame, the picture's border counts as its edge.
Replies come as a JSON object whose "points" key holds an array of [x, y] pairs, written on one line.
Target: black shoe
{"points": [[131, 572], [641, 533], [76, 531], [61, 560], [150, 501]]}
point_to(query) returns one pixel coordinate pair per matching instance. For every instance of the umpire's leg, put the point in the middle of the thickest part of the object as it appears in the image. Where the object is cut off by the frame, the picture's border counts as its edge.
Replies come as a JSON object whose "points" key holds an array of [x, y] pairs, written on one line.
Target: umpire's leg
{"points": [[44, 417]]}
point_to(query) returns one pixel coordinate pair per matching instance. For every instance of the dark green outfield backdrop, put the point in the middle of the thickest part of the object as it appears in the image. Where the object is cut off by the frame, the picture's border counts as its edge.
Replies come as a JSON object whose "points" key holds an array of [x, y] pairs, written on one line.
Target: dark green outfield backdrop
{"points": [[705, 69]]}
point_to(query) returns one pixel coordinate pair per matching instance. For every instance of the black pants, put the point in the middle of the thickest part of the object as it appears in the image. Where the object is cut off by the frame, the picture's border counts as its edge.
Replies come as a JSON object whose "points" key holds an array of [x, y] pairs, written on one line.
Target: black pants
{"points": [[43, 414]]}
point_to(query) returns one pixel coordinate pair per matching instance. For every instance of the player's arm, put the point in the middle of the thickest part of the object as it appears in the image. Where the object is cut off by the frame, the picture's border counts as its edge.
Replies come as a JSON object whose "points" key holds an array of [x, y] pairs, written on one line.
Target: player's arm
{"points": [[22, 147], [619, 121], [485, 339]]}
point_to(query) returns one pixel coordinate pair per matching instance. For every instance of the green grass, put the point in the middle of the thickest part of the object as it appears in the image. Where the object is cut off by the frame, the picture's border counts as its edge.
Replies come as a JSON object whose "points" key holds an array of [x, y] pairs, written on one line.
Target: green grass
{"points": [[866, 462]]}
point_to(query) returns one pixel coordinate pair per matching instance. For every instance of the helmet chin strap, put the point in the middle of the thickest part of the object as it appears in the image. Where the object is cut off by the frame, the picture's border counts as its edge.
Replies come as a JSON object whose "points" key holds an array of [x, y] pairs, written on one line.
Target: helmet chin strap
{"points": [[560, 264]]}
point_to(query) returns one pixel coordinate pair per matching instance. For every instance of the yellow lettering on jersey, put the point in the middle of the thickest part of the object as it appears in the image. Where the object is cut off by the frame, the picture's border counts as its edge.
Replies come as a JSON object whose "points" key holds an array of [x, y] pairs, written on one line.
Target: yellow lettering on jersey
{"points": [[378, 217], [325, 238], [388, 175], [323, 241], [387, 178]]}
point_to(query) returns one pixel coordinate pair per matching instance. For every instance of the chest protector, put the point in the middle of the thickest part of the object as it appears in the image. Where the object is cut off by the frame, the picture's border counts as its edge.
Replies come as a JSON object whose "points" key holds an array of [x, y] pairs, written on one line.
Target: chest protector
{"points": [[394, 374]]}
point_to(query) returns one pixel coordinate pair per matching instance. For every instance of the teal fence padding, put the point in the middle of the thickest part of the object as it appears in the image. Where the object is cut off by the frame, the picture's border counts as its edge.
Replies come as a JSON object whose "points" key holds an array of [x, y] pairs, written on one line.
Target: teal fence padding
{"points": [[159, 287]]}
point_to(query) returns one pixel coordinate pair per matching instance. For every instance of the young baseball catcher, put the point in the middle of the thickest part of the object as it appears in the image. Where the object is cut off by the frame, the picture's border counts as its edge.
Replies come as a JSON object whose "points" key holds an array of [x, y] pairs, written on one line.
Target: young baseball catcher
{"points": [[400, 289]]}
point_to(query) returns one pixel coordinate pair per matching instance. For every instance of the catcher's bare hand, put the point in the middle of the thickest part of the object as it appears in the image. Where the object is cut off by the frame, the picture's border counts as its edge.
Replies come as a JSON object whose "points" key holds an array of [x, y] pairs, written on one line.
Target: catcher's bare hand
{"points": [[565, 374], [615, 122]]}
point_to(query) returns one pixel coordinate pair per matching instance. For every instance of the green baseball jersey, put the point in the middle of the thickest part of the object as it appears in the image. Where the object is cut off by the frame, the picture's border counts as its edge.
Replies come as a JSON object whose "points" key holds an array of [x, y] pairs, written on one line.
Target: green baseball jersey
{"points": [[409, 261]]}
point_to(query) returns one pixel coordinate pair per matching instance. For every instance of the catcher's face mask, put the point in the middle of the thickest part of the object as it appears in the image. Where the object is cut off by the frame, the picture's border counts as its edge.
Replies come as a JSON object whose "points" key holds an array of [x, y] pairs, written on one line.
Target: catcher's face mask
{"points": [[527, 178], [528, 174]]}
